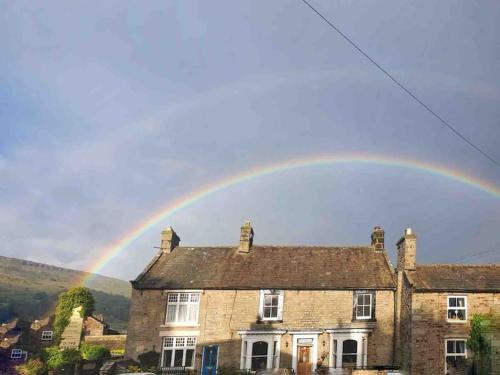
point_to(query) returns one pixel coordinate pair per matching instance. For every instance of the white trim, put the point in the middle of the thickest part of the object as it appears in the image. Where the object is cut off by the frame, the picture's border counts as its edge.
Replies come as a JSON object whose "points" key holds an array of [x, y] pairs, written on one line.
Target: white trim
{"points": [[179, 333], [305, 335], [317, 332], [363, 317], [47, 334], [189, 309], [281, 297], [251, 337], [461, 308], [360, 335], [183, 348]]}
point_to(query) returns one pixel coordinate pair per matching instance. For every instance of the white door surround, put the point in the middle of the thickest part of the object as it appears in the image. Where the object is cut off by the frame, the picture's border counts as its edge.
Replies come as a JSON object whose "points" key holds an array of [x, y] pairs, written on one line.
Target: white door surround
{"points": [[296, 336]]}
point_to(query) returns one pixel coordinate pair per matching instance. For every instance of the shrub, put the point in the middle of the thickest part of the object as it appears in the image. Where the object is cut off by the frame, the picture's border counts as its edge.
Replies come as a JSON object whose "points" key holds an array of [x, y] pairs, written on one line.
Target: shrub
{"points": [[56, 358], [149, 359], [94, 352]]}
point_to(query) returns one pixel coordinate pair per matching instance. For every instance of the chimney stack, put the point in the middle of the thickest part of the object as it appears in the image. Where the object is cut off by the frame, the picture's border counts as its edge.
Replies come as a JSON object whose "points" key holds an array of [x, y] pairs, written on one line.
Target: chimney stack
{"points": [[378, 239], [169, 240], [407, 251], [246, 237]]}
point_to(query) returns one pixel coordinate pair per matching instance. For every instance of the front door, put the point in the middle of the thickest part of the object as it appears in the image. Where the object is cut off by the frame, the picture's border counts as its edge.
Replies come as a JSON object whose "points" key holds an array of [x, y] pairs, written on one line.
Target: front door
{"points": [[304, 363], [209, 362]]}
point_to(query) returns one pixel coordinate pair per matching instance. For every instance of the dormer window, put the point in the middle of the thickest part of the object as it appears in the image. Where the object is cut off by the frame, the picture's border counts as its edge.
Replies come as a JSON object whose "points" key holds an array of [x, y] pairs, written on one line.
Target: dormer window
{"points": [[271, 304]]}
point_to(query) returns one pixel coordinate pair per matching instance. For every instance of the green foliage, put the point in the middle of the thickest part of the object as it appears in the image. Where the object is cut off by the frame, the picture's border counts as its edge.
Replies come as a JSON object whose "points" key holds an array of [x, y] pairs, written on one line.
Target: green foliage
{"points": [[56, 358], [232, 371], [149, 359], [479, 344], [75, 297], [34, 366], [94, 352]]}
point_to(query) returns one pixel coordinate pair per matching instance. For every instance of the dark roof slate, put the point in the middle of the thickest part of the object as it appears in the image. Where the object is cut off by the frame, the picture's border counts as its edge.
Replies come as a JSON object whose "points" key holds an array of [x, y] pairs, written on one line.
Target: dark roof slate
{"points": [[456, 277], [268, 267]]}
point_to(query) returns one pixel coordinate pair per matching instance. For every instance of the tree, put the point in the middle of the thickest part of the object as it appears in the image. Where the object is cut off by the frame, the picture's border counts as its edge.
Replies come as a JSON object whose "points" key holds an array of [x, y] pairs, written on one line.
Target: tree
{"points": [[479, 344], [56, 358], [34, 366], [94, 352], [75, 297]]}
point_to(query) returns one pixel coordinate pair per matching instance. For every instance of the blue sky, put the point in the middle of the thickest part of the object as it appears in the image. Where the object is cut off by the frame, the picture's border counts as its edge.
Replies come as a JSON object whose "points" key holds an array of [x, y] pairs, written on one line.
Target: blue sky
{"points": [[111, 110]]}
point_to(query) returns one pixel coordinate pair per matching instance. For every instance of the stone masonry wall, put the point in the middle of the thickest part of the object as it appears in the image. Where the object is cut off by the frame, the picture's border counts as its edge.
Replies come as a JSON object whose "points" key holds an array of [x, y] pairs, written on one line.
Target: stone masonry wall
{"points": [[223, 313], [430, 328]]}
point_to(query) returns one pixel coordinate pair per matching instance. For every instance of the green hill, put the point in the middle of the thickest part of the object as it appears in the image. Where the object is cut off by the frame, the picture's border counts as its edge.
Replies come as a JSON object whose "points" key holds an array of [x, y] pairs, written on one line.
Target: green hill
{"points": [[29, 290]]}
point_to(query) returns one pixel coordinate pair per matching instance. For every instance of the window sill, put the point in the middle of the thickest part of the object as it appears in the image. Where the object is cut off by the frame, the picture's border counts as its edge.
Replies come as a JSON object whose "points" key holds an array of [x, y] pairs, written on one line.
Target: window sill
{"points": [[264, 321], [453, 321], [358, 320]]}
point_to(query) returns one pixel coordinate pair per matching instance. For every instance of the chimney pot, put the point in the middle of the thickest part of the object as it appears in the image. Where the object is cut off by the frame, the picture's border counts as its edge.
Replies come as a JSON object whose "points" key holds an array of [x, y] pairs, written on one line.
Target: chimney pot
{"points": [[246, 237], [169, 240]]}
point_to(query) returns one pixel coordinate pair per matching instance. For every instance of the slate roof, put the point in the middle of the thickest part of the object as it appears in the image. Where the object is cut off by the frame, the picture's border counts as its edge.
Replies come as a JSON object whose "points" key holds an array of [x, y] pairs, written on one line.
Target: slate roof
{"points": [[312, 268], [456, 277]]}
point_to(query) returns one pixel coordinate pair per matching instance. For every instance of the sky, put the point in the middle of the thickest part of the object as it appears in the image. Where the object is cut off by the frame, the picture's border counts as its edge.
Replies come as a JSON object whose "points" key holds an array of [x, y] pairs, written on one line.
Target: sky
{"points": [[111, 110]]}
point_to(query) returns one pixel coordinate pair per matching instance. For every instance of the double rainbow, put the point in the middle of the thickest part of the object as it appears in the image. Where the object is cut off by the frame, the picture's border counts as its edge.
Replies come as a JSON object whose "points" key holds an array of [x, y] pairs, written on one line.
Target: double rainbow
{"points": [[319, 160]]}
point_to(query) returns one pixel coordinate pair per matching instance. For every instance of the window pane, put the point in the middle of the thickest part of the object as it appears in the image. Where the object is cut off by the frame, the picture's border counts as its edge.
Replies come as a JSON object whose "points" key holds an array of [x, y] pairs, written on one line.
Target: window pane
{"points": [[366, 311], [182, 317], [259, 348], [259, 363], [167, 358], [275, 300], [359, 311], [461, 314], [172, 297], [189, 357], [367, 298], [350, 346], [452, 302], [193, 309], [349, 358], [360, 299], [267, 312], [171, 313], [460, 347], [184, 297], [450, 347], [456, 363], [274, 312], [178, 357], [461, 302]]}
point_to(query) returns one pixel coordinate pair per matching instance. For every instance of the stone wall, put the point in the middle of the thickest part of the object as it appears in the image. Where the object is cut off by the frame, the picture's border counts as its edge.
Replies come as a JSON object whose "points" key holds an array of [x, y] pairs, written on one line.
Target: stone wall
{"points": [[223, 313], [430, 329]]}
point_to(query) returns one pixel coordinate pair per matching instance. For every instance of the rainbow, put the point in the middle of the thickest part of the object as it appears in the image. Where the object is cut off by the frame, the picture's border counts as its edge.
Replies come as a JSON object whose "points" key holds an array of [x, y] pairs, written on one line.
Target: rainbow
{"points": [[318, 160]]}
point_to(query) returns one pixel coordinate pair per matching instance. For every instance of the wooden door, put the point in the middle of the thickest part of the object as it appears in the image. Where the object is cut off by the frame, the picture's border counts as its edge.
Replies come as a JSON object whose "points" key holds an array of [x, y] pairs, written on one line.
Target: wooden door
{"points": [[304, 364]]}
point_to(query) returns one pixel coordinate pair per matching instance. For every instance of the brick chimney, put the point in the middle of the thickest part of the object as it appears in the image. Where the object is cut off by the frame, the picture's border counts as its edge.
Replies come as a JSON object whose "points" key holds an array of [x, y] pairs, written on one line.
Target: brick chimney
{"points": [[407, 251], [169, 240], [378, 239], [246, 237]]}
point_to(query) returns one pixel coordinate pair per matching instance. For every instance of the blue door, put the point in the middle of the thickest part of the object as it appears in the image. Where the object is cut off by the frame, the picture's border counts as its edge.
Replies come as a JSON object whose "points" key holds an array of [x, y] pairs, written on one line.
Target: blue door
{"points": [[209, 362]]}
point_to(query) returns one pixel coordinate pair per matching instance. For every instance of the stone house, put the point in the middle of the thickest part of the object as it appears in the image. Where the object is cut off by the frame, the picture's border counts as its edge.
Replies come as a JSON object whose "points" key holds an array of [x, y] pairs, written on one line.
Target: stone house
{"points": [[436, 303], [253, 307]]}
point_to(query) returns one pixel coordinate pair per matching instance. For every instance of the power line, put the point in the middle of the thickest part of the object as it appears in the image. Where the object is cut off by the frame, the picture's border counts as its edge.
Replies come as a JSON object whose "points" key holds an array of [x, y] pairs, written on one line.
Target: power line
{"points": [[443, 121]]}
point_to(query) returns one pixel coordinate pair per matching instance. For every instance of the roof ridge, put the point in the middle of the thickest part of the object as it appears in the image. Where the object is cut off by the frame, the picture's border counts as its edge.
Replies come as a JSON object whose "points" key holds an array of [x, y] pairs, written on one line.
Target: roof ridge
{"points": [[283, 246]]}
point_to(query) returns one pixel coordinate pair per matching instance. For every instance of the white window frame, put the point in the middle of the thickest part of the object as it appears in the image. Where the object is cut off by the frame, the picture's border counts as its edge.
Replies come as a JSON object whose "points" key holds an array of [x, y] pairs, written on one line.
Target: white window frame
{"points": [[47, 335], [174, 347], [191, 305], [446, 354], [16, 354], [273, 340], [281, 296], [360, 335], [363, 317], [448, 308]]}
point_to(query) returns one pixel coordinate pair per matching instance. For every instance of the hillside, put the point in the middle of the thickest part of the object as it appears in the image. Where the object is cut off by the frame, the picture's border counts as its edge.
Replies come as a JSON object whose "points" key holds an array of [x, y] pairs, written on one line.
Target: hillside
{"points": [[29, 290]]}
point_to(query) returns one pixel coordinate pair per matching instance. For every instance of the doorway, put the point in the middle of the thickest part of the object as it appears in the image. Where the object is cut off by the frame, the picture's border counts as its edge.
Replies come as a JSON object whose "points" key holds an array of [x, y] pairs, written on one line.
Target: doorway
{"points": [[304, 362]]}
